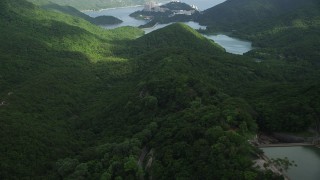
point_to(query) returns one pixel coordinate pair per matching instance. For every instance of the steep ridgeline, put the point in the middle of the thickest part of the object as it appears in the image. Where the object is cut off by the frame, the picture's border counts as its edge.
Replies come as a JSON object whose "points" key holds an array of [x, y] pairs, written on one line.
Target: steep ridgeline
{"points": [[100, 20], [177, 35]]}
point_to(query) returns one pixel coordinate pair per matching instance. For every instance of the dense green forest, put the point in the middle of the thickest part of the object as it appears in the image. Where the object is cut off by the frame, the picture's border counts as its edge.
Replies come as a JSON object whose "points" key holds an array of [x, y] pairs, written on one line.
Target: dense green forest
{"points": [[93, 4], [233, 14], [286, 36], [81, 102], [280, 28], [100, 20]]}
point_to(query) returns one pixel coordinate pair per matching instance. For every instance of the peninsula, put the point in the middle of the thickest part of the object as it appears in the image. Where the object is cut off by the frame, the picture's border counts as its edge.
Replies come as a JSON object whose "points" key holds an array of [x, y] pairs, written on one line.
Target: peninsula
{"points": [[174, 11]]}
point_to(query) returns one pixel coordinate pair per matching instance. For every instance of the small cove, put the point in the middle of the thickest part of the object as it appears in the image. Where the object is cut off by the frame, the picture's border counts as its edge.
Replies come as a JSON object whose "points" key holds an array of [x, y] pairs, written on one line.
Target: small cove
{"points": [[306, 158]]}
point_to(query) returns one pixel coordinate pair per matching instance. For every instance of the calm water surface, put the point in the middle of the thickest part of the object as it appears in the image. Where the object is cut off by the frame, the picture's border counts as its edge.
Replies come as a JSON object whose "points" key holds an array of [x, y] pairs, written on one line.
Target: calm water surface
{"points": [[307, 159], [231, 45], [121, 13]]}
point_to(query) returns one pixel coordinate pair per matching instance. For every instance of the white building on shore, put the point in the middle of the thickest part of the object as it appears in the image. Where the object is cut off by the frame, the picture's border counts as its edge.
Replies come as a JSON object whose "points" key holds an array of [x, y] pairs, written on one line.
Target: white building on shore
{"points": [[154, 7], [150, 5]]}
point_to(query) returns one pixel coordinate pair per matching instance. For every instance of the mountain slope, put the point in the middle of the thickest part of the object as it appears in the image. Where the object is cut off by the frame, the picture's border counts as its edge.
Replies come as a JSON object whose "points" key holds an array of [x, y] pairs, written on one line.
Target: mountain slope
{"points": [[232, 14], [177, 35], [286, 36], [101, 20], [295, 35], [280, 29], [46, 76], [72, 109], [81, 102]]}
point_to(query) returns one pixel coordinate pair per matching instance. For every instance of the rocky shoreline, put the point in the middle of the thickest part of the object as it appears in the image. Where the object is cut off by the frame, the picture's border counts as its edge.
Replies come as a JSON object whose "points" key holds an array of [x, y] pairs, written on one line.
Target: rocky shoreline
{"points": [[281, 138], [275, 140]]}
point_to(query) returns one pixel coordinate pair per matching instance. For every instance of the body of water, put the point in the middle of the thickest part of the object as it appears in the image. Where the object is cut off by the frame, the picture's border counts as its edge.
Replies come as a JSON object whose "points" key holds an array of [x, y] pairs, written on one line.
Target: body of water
{"points": [[121, 13], [231, 45], [307, 159]]}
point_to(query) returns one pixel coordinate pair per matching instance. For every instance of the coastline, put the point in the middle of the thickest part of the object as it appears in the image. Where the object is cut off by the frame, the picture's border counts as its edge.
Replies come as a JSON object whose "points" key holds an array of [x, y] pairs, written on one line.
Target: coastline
{"points": [[103, 9], [275, 138], [264, 163], [152, 27], [279, 140], [120, 7]]}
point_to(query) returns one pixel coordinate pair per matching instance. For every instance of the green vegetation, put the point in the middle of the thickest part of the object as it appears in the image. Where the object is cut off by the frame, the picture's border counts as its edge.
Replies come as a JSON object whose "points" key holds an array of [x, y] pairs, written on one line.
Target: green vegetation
{"points": [[177, 35], [281, 29], [233, 14], [81, 102], [100, 20], [48, 74], [286, 34], [295, 36], [106, 20], [284, 163]]}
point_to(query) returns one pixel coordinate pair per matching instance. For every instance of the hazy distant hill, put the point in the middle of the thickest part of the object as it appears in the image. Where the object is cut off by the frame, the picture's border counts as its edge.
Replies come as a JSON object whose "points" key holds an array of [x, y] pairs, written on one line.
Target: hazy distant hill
{"points": [[92, 4], [100, 20]]}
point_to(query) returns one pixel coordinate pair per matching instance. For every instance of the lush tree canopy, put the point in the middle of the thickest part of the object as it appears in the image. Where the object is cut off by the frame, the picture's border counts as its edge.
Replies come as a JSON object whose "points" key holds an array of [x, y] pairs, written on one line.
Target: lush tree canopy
{"points": [[81, 102]]}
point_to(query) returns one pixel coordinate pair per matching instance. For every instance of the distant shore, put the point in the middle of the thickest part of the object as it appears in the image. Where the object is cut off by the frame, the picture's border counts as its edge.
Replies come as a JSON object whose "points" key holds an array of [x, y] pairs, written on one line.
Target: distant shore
{"points": [[284, 145], [284, 140], [121, 7]]}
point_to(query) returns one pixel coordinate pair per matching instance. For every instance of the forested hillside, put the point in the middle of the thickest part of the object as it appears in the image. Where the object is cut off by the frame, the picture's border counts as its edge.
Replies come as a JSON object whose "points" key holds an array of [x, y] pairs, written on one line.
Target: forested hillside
{"points": [[48, 76], [293, 36], [81, 102], [279, 28], [286, 34], [232, 14], [175, 36], [100, 20]]}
